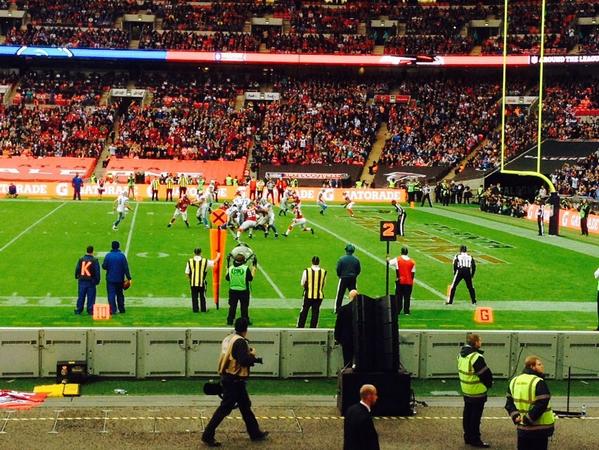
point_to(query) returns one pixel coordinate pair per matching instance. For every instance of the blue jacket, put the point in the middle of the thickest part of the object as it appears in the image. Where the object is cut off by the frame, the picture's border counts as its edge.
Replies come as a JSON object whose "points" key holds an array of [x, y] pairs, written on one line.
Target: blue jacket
{"points": [[116, 266], [91, 269]]}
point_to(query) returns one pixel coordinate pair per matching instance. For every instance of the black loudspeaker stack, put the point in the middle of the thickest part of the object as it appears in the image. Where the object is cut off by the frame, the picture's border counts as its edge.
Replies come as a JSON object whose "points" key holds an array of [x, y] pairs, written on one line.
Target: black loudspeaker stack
{"points": [[376, 360]]}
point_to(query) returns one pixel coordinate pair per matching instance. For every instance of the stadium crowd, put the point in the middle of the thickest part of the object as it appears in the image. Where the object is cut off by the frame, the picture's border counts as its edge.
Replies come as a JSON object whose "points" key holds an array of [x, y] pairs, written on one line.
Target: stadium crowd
{"points": [[579, 178], [443, 121], [190, 40], [68, 37]]}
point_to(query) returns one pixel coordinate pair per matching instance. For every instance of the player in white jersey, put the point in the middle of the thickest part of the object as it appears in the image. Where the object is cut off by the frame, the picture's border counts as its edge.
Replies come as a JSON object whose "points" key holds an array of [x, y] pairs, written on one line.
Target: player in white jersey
{"points": [[298, 219], [121, 205], [203, 210], [321, 201], [284, 205], [266, 218]]}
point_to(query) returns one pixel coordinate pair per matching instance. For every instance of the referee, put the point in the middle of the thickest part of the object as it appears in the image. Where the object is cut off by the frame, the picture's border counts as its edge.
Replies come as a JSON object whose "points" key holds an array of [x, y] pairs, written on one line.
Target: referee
{"points": [[196, 271], [401, 218], [464, 268], [313, 279], [348, 269]]}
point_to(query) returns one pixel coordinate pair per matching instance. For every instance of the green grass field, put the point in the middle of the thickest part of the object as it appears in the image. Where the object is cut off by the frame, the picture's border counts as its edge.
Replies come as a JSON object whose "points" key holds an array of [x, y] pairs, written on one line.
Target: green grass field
{"points": [[531, 282]]}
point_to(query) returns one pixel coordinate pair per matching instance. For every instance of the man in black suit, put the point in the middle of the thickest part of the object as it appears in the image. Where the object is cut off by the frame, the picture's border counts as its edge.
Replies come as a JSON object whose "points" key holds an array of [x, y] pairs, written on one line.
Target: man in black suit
{"points": [[358, 429], [344, 329]]}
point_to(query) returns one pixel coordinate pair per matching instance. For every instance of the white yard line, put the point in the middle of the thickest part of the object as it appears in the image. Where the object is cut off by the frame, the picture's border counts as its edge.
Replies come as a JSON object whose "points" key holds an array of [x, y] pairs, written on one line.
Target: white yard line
{"points": [[267, 277], [130, 235], [376, 258], [30, 227]]}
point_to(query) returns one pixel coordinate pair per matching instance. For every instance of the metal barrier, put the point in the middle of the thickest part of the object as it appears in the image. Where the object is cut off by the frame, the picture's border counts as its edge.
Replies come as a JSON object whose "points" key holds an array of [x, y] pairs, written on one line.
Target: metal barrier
{"points": [[288, 353]]}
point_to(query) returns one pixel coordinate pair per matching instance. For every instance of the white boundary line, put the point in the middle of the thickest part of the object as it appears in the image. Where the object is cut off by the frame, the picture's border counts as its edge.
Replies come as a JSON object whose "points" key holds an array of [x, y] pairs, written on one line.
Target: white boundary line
{"points": [[266, 276], [382, 261], [26, 230], [130, 235]]}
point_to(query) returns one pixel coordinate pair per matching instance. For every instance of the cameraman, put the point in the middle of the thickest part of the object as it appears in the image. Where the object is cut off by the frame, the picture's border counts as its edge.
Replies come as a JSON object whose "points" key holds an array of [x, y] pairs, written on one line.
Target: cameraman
{"points": [[239, 276], [234, 368]]}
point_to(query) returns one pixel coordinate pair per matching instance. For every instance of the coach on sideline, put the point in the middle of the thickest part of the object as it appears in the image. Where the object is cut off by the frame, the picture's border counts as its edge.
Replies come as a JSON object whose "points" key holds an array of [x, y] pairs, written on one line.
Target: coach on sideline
{"points": [[348, 269], [117, 270]]}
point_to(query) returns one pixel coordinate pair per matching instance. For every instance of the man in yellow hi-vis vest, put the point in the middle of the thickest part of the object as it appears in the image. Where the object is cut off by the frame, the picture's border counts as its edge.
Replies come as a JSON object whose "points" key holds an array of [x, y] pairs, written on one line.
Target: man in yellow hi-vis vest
{"points": [[196, 270], [313, 279], [475, 379], [528, 404], [234, 369]]}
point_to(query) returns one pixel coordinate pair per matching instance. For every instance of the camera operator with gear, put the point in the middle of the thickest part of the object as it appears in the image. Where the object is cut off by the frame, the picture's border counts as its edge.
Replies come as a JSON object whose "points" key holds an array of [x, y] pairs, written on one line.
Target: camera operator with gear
{"points": [[234, 368], [239, 275]]}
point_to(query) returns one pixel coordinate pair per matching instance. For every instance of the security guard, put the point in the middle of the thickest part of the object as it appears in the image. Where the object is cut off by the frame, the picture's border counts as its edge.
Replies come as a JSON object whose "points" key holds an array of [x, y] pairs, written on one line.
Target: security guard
{"points": [[475, 378], [528, 404], [183, 183], [87, 272], [131, 186], [411, 188], [348, 269], [155, 185], [464, 268], [239, 275], [170, 184], [584, 211], [196, 271], [313, 279], [234, 369]]}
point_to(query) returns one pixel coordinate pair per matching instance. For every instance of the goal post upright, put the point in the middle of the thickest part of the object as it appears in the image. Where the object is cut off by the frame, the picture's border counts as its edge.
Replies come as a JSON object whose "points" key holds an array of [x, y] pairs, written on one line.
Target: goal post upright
{"points": [[537, 173]]}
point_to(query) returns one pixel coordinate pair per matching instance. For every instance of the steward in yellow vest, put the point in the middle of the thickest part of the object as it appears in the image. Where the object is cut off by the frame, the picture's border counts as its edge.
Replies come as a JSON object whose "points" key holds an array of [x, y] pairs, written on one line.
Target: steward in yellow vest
{"points": [[155, 186], [313, 279], [234, 368], [475, 378], [528, 404], [196, 271]]}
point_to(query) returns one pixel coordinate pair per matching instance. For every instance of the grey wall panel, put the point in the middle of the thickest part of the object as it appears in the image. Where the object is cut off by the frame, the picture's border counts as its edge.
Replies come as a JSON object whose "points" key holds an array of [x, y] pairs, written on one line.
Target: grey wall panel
{"points": [[409, 351], [440, 353], [204, 347], [61, 344], [543, 345], [19, 353], [304, 353], [112, 353], [581, 355], [267, 343], [335, 359], [497, 349], [162, 352]]}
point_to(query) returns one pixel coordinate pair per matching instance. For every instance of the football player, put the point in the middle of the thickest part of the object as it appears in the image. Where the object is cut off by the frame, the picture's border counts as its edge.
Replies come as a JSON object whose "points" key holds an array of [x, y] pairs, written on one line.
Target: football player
{"points": [[181, 210], [249, 223], [298, 219], [321, 201], [121, 205], [348, 204]]}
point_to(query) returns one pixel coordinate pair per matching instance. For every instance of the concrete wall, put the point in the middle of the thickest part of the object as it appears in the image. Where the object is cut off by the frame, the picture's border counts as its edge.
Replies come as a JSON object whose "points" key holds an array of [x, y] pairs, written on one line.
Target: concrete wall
{"points": [[288, 353]]}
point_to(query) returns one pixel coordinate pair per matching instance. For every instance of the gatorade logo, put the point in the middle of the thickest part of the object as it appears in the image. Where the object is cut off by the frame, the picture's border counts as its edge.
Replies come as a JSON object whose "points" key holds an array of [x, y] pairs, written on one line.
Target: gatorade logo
{"points": [[86, 268]]}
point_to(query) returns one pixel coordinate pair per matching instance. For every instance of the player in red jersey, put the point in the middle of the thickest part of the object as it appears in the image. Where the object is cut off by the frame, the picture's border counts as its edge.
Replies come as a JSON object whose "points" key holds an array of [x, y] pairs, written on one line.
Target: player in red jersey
{"points": [[249, 222], [181, 210], [299, 219], [348, 204]]}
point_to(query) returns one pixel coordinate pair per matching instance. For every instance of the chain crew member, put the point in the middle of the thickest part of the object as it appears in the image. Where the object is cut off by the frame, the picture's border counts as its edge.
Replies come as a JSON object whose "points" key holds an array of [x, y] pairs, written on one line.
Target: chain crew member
{"points": [[87, 273], [239, 276], [313, 280], [196, 271]]}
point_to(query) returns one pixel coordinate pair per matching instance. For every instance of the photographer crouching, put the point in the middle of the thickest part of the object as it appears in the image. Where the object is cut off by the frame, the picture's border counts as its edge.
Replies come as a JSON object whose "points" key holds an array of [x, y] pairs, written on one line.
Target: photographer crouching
{"points": [[234, 364]]}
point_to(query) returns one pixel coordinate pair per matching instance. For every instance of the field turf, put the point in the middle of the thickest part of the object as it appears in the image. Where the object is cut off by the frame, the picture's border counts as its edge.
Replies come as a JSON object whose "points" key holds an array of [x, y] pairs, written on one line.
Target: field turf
{"points": [[531, 282]]}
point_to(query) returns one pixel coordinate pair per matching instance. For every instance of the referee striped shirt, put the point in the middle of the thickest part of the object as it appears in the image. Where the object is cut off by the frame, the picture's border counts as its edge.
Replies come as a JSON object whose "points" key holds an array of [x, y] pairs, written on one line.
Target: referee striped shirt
{"points": [[463, 262]]}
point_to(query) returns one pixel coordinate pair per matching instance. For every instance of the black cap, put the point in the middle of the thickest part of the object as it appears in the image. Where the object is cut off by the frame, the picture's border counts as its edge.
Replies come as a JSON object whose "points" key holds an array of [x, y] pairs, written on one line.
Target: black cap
{"points": [[463, 249], [115, 245], [349, 248], [241, 325]]}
